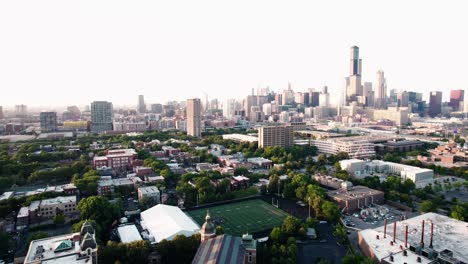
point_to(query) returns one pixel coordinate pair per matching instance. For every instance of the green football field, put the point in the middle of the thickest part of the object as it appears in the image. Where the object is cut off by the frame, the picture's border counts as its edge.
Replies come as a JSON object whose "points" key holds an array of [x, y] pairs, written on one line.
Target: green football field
{"points": [[238, 218]]}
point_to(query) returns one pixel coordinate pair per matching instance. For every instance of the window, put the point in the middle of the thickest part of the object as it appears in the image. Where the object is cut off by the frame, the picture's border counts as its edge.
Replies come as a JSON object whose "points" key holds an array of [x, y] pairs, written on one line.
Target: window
{"points": [[250, 257]]}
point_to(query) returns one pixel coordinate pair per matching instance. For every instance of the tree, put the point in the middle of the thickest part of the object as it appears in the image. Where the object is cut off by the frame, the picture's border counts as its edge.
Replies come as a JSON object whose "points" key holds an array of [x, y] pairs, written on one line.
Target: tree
{"points": [[459, 212], [219, 230], [340, 233], [322, 159], [4, 243], [59, 219], [427, 206], [291, 225], [277, 234], [98, 208], [342, 156], [331, 211]]}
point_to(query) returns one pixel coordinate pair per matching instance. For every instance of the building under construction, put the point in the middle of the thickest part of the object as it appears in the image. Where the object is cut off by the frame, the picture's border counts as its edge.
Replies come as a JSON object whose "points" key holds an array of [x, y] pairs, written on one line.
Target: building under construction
{"points": [[429, 238]]}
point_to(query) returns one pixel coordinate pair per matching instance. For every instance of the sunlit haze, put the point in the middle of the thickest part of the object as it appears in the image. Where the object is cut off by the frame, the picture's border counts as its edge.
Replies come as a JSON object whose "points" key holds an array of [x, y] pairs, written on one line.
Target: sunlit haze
{"points": [[55, 53]]}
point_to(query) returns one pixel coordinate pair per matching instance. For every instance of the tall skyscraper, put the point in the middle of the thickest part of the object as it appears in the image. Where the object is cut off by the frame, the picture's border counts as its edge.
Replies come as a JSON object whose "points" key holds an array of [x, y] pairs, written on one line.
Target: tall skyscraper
{"points": [[141, 104], [353, 82], [368, 92], [21, 110], [435, 103], [194, 117], [229, 108], [156, 108], [250, 100], [48, 121], [380, 101], [402, 99], [324, 97], [101, 116], [288, 96], [1, 113], [456, 96]]}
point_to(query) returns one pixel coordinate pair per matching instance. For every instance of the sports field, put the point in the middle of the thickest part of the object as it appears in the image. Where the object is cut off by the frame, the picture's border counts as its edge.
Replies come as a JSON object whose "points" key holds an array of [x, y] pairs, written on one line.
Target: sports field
{"points": [[238, 218]]}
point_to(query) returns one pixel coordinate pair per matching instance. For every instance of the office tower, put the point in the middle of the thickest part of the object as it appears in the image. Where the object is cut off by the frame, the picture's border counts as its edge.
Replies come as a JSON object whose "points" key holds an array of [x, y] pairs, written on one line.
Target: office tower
{"points": [[402, 99], [1, 113], [456, 96], [194, 117], [250, 100], [380, 100], [156, 108], [229, 108], [435, 103], [270, 136], [324, 97], [21, 110], [141, 104], [302, 98], [392, 99], [414, 97], [266, 109], [256, 114], [206, 103], [278, 99], [288, 96], [314, 98], [353, 82], [263, 91], [368, 92], [101, 116], [214, 104], [48, 121]]}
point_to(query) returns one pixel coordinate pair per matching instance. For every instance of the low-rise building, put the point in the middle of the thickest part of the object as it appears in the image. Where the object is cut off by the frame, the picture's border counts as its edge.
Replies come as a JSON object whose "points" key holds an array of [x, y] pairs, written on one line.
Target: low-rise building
{"points": [[259, 162], [427, 238], [356, 147], [360, 168], [150, 192], [398, 146], [240, 138], [79, 248], [355, 198], [107, 185], [116, 159]]}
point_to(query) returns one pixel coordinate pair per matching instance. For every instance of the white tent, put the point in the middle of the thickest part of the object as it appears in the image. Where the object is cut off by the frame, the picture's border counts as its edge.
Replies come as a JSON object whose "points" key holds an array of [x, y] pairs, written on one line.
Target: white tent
{"points": [[166, 222]]}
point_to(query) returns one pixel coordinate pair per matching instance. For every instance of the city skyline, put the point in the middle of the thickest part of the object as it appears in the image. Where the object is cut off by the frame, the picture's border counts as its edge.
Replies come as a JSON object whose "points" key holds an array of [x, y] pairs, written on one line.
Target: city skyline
{"points": [[110, 51]]}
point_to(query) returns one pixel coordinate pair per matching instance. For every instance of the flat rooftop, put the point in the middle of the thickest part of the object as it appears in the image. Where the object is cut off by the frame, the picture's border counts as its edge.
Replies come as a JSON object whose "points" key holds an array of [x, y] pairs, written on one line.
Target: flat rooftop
{"points": [[48, 248], [352, 193], [448, 234]]}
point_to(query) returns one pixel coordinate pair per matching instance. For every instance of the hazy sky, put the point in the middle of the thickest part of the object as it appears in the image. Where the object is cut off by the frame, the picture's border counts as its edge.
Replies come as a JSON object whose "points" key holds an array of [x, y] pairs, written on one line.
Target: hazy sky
{"points": [[73, 52]]}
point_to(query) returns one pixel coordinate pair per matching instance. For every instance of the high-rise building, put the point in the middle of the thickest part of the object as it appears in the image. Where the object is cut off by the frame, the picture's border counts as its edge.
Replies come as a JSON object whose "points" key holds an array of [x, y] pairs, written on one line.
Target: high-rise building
{"points": [[156, 108], [250, 100], [101, 116], [270, 136], [141, 104], [229, 108], [21, 110], [380, 101], [456, 96], [1, 113], [435, 103], [324, 97], [414, 97], [368, 92], [288, 96], [314, 98], [48, 121], [353, 82], [194, 117], [402, 99]]}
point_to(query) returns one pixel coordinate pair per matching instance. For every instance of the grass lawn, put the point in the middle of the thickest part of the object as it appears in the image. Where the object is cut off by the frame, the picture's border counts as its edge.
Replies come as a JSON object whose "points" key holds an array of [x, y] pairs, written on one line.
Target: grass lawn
{"points": [[238, 218]]}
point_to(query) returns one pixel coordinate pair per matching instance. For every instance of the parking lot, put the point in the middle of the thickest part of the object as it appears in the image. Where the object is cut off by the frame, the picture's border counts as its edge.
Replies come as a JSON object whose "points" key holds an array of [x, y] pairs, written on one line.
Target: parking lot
{"points": [[355, 220]]}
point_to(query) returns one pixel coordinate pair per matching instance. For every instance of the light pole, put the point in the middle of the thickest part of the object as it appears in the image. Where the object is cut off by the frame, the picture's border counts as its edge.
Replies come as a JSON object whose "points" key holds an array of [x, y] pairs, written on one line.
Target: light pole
{"points": [[308, 204]]}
